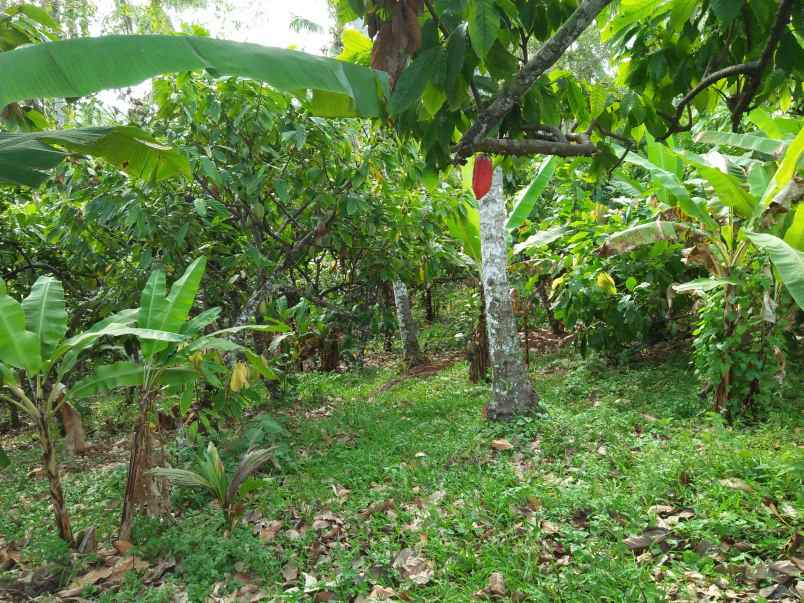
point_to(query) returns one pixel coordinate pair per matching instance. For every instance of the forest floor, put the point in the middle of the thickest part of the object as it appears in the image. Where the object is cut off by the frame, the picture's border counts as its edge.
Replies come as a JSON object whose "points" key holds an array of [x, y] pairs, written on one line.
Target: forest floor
{"points": [[626, 491]]}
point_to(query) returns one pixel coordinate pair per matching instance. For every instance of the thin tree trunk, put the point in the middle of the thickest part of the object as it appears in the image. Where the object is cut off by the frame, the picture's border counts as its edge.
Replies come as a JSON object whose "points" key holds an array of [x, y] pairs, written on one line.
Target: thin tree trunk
{"points": [[555, 325], [75, 437], [51, 466], [407, 326], [387, 328], [329, 353], [512, 391], [478, 349], [141, 488], [429, 308]]}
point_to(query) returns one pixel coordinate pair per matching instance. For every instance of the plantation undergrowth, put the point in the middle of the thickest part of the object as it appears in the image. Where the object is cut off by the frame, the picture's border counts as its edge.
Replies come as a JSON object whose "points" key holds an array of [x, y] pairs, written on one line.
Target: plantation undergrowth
{"points": [[626, 491]]}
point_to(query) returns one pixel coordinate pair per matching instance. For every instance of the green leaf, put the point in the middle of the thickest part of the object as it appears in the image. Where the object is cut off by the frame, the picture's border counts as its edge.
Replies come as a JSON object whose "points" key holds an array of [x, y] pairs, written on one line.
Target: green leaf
{"points": [[725, 10], [701, 285], [197, 323], [728, 189], [748, 142], [541, 238], [597, 101], [182, 295], [108, 377], [528, 196], [788, 262], [26, 158], [18, 347], [795, 232], [787, 169], [356, 47], [456, 50], [411, 84], [153, 307], [645, 234], [681, 12], [484, 24], [81, 66], [670, 182], [464, 226], [775, 127], [46, 314]]}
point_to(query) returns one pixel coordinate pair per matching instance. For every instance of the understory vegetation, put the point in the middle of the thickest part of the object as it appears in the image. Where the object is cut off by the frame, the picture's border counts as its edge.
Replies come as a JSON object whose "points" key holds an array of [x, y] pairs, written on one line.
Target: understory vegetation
{"points": [[479, 300], [628, 490]]}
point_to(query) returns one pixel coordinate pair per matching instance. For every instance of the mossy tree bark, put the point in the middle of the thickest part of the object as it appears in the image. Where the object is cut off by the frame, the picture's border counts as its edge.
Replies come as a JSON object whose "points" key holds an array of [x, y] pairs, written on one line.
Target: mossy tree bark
{"points": [[512, 391], [407, 326]]}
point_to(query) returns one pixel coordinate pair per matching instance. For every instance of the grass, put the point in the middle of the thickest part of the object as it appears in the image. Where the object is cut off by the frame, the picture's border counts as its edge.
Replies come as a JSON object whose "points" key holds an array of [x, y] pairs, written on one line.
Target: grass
{"points": [[622, 450]]}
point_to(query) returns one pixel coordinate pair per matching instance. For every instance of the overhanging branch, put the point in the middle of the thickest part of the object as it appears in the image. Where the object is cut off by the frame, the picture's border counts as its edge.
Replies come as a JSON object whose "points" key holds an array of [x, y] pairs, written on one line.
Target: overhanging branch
{"points": [[514, 89], [752, 86], [533, 146]]}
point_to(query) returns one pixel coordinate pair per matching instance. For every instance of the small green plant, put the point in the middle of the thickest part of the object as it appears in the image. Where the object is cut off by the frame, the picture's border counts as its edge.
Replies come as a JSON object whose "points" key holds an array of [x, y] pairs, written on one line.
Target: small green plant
{"points": [[211, 475]]}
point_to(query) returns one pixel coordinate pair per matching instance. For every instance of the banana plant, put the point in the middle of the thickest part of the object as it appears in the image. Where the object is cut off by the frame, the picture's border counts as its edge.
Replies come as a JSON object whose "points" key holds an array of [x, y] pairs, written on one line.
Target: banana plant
{"points": [[176, 361], [35, 357], [210, 474], [749, 217]]}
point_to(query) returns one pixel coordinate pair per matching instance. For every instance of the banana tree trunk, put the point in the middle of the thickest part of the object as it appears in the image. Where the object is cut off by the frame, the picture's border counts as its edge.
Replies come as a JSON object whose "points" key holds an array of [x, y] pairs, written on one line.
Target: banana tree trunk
{"points": [[407, 326], [142, 490], [51, 465], [512, 391]]}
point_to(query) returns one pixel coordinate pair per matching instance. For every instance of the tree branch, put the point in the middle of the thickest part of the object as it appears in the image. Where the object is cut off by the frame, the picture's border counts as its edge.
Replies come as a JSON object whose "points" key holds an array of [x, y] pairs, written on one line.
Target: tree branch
{"points": [[713, 78], [532, 146], [752, 86], [514, 89]]}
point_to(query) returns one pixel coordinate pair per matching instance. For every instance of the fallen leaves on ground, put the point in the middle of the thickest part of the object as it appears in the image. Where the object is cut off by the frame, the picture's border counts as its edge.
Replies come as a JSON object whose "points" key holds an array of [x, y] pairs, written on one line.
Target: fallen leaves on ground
{"points": [[502, 444], [110, 575], [495, 588], [416, 569], [736, 484]]}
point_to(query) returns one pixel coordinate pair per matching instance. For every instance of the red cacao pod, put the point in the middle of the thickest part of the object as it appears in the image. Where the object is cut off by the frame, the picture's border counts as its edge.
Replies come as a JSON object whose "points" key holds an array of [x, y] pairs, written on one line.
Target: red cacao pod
{"points": [[481, 176]]}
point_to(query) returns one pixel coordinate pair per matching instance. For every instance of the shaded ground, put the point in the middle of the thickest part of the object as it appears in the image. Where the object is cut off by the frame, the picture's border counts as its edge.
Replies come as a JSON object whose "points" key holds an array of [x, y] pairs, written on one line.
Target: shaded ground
{"points": [[625, 492]]}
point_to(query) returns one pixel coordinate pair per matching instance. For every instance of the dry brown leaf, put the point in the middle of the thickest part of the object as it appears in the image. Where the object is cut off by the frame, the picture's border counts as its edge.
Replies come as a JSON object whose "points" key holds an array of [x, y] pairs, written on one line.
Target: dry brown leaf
{"points": [[496, 585], [548, 527], [269, 531], [736, 483], [290, 572], [123, 546], [377, 507], [109, 575], [501, 444], [415, 569]]}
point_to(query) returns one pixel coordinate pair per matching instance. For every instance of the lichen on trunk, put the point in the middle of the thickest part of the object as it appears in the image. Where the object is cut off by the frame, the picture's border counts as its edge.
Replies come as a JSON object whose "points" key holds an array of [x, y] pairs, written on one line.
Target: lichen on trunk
{"points": [[512, 391], [407, 326]]}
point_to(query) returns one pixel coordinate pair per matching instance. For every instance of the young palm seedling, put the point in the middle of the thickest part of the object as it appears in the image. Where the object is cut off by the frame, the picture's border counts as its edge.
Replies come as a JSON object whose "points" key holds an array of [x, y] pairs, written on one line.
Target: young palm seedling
{"points": [[210, 474]]}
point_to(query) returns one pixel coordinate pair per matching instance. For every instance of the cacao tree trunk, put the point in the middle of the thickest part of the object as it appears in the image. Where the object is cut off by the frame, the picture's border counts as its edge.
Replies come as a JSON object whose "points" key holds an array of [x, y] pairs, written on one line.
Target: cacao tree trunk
{"points": [[387, 328], [50, 463], [512, 391], [429, 308], [555, 325], [478, 349], [329, 353], [407, 327]]}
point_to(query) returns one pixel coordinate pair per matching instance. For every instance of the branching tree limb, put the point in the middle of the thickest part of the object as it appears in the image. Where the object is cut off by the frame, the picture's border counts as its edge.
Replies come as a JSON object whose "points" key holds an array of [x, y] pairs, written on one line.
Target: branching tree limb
{"points": [[752, 86], [755, 69], [516, 88]]}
